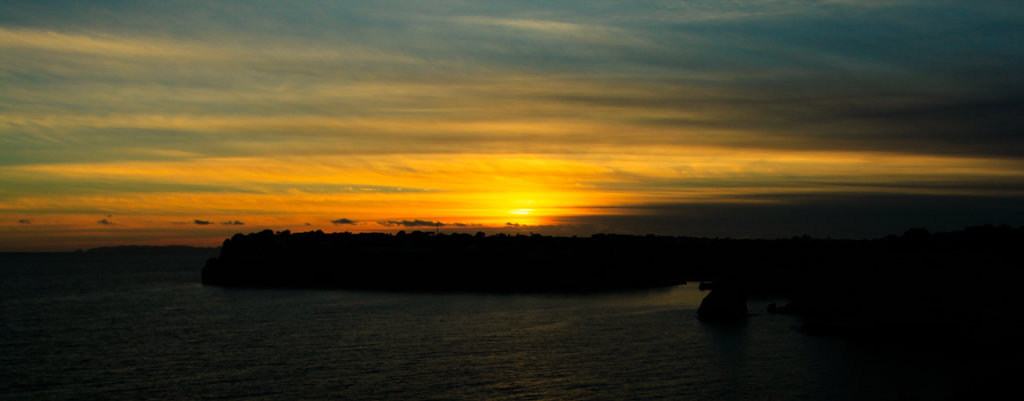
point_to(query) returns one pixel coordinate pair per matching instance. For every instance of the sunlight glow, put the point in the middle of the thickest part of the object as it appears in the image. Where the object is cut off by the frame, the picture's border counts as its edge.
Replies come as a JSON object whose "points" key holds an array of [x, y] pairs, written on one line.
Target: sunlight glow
{"points": [[548, 120]]}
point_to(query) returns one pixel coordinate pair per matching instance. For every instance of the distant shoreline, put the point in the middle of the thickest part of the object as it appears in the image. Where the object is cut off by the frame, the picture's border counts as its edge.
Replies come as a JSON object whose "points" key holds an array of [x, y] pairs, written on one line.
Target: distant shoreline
{"points": [[151, 248], [128, 249]]}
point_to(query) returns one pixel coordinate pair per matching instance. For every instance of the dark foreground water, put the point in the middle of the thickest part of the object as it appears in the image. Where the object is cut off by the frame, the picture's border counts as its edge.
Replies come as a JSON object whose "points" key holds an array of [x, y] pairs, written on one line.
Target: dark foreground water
{"points": [[111, 327]]}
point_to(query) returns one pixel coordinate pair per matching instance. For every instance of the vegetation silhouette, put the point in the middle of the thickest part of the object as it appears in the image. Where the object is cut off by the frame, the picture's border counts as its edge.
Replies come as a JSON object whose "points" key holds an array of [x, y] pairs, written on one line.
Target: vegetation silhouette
{"points": [[425, 261], [914, 285]]}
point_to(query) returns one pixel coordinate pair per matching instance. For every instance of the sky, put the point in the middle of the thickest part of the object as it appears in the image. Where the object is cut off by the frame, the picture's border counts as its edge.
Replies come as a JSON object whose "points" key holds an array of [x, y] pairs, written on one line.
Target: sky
{"points": [[184, 122]]}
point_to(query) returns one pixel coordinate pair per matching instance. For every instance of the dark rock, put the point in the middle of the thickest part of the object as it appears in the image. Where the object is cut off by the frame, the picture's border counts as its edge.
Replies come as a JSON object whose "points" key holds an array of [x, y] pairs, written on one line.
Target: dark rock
{"points": [[727, 301]]}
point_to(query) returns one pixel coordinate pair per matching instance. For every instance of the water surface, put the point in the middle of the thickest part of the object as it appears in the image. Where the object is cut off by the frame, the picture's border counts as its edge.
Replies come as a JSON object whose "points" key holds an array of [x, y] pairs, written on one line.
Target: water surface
{"points": [[129, 327]]}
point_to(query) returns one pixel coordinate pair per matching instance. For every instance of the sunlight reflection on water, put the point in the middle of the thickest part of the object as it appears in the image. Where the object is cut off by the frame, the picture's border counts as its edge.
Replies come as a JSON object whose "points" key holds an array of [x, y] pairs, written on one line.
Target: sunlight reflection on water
{"points": [[133, 334]]}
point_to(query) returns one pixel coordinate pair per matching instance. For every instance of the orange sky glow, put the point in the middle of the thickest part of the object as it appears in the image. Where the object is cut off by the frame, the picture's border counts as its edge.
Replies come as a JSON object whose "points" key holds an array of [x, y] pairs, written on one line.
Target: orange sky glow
{"points": [[145, 126]]}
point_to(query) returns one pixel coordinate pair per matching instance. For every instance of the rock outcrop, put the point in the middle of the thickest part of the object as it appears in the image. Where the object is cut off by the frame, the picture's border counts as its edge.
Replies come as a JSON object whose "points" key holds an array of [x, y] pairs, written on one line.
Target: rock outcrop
{"points": [[727, 301]]}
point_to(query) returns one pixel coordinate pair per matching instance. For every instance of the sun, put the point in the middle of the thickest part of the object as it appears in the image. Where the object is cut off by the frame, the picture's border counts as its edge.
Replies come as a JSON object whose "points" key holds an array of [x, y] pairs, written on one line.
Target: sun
{"points": [[521, 212]]}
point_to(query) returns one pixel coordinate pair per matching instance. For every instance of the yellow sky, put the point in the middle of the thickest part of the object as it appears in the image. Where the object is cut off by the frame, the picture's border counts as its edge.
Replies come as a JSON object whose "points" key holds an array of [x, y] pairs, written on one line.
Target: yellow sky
{"points": [[467, 192]]}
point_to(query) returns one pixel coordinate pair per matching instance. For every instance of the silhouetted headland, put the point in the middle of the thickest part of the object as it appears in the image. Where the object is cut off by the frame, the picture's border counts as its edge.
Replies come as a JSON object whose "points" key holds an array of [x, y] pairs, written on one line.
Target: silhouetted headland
{"points": [[918, 281], [420, 261]]}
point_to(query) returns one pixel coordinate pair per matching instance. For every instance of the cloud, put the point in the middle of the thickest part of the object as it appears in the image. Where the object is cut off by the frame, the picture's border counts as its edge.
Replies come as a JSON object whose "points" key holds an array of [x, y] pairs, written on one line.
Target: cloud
{"points": [[412, 223], [588, 33], [105, 222], [421, 223], [852, 215], [201, 222], [618, 104], [233, 223], [25, 221], [552, 27], [805, 87]]}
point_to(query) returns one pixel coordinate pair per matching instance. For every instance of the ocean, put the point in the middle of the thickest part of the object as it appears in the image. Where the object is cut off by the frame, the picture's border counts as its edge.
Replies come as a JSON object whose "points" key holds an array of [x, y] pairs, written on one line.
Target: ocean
{"points": [[117, 326]]}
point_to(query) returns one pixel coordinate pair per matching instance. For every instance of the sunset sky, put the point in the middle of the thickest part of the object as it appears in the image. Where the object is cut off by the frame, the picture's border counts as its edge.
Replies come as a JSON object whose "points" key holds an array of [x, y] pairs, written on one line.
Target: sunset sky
{"points": [[184, 122]]}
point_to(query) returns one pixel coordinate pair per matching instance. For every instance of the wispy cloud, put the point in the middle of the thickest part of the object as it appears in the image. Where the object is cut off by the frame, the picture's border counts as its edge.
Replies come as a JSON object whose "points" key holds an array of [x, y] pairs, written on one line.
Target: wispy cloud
{"points": [[550, 27], [548, 112], [412, 223], [100, 44], [594, 36]]}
